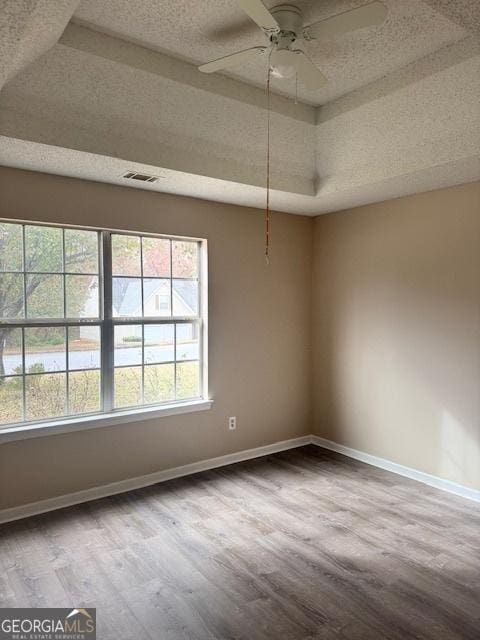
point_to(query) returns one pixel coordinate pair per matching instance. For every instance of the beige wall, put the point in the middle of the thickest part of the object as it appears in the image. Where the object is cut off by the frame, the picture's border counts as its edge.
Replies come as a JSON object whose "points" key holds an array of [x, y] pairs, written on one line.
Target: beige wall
{"points": [[260, 328], [396, 324], [396, 334]]}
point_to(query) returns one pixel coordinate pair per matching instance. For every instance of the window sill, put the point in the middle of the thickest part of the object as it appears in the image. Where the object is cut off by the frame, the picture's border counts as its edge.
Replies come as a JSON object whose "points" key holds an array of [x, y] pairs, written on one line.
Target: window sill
{"points": [[69, 425]]}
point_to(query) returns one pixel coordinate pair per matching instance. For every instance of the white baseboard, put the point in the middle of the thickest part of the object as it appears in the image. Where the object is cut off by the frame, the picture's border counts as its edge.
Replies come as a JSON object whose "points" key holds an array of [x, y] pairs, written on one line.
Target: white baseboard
{"points": [[68, 500], [394, 467]]}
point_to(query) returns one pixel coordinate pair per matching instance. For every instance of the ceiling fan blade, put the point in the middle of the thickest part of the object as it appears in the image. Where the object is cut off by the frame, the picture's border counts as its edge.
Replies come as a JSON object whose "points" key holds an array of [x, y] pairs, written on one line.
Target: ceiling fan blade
{"points": [[259, 13], [308, 74], [247, 55], [367, 16]]}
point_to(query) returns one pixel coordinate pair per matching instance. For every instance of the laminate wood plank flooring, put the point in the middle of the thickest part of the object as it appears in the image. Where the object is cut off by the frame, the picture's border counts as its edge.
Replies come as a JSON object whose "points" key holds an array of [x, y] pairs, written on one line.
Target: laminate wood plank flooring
{"points": [[305, 544]]}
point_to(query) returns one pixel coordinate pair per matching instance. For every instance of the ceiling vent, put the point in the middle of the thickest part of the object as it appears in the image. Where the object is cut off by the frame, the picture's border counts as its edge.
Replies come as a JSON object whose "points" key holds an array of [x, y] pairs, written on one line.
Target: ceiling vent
{"points": [[141, 177]]}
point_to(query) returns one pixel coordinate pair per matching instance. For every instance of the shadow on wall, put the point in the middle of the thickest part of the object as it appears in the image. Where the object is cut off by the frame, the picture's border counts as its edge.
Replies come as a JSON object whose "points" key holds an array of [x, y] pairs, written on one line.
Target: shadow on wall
{"points": [[397, 324], [460, 449]]}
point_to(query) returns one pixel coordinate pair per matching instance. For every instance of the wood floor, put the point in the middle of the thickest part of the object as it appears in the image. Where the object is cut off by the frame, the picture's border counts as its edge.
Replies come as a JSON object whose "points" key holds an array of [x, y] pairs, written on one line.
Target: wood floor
{"points": [[302, 544]]}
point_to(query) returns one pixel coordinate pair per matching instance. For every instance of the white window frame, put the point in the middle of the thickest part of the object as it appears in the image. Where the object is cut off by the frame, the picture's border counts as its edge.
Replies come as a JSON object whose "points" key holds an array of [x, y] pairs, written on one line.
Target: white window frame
{"points": [[108, 415]]}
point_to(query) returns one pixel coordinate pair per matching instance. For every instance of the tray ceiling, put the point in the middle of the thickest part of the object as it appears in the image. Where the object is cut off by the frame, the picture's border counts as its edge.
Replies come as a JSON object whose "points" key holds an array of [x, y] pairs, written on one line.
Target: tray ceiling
{"points": [[120, 91], [201, 31]]}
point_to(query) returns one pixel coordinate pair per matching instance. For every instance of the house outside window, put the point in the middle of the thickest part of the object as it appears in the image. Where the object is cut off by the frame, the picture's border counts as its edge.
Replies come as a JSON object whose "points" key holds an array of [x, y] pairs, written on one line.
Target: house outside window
{"points": [[94, 322], [161, 301]]}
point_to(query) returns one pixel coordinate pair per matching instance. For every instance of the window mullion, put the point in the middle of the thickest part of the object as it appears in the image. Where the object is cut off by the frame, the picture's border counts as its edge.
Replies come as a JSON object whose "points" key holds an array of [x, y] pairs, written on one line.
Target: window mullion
{"points": [[156, 320], [202, 313], [107, 324], [175, 360], [66, 330], [142, 294], [24, 378]]}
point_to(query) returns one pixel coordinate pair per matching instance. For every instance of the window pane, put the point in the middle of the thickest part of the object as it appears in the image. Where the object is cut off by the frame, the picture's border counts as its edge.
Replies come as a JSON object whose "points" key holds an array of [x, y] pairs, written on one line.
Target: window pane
{"points": [[44, 296], [11, 295], [159, 383], [84, 347], [156, 257], [128, 387], [185, 297], [187, 342], [43, 249], [11, 247], [51, 273], [11, 400], [156, 297], [184, 259], [188, 380], [125, 255], [45, 349], [127, 297], [45, 395], [10, 352], [81, 251], [159, 343], [128, 345], [84, 391], [82, 296]]}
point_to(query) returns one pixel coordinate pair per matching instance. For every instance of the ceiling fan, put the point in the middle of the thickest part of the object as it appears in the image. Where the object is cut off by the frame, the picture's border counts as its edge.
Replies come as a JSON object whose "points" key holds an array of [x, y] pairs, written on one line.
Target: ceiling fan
{"points": [[283, 25]]}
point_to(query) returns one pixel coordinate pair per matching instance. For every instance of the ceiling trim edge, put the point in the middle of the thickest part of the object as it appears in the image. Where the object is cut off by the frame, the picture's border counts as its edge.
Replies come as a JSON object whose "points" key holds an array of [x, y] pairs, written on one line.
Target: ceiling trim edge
{"points": [[89, 40]]}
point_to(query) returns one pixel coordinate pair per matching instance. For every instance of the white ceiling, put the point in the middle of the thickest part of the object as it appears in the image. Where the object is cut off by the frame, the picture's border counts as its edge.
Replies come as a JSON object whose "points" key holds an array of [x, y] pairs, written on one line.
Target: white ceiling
{"points": [[201, 31], [400, 114], [29, 29], [92, 166]]}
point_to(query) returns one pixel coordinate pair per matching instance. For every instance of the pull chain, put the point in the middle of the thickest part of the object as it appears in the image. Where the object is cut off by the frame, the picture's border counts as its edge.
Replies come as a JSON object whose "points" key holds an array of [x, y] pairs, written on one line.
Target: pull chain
{"points": [[267, 209]]}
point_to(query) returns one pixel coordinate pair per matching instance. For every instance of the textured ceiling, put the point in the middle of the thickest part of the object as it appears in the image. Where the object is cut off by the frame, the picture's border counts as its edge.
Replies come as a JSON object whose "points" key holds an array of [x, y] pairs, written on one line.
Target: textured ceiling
{"points": [[147, 111], [29, 28], [89, 166], [201, 31], [400, 114]]}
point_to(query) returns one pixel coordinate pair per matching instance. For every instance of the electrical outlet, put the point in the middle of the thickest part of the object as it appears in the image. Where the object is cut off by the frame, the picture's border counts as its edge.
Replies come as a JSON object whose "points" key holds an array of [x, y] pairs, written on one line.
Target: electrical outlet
{"points": [[232, 423]]}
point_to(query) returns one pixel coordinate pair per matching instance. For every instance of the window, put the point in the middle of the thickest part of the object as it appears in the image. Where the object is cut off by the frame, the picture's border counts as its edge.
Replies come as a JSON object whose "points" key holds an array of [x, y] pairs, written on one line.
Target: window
{"points": [[162, 302], [93, 322]]}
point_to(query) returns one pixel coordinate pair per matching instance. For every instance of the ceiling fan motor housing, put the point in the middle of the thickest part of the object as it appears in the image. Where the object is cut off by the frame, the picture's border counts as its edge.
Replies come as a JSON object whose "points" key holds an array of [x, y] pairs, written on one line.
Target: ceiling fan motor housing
{"points": [[289, 18]]}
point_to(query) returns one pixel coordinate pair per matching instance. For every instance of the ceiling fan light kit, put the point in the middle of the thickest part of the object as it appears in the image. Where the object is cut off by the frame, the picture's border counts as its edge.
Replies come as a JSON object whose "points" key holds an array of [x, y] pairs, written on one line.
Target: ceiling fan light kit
{"points": [[283, 26]]}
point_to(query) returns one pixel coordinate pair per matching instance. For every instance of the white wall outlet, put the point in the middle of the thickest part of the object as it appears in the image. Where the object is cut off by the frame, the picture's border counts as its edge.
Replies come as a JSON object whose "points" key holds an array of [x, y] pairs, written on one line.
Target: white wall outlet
{"points": [[232, 423]]}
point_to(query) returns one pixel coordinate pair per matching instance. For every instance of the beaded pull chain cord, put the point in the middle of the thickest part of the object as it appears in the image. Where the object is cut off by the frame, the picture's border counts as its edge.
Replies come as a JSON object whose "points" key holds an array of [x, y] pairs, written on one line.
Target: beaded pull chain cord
{"points": [[267, 209]]}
